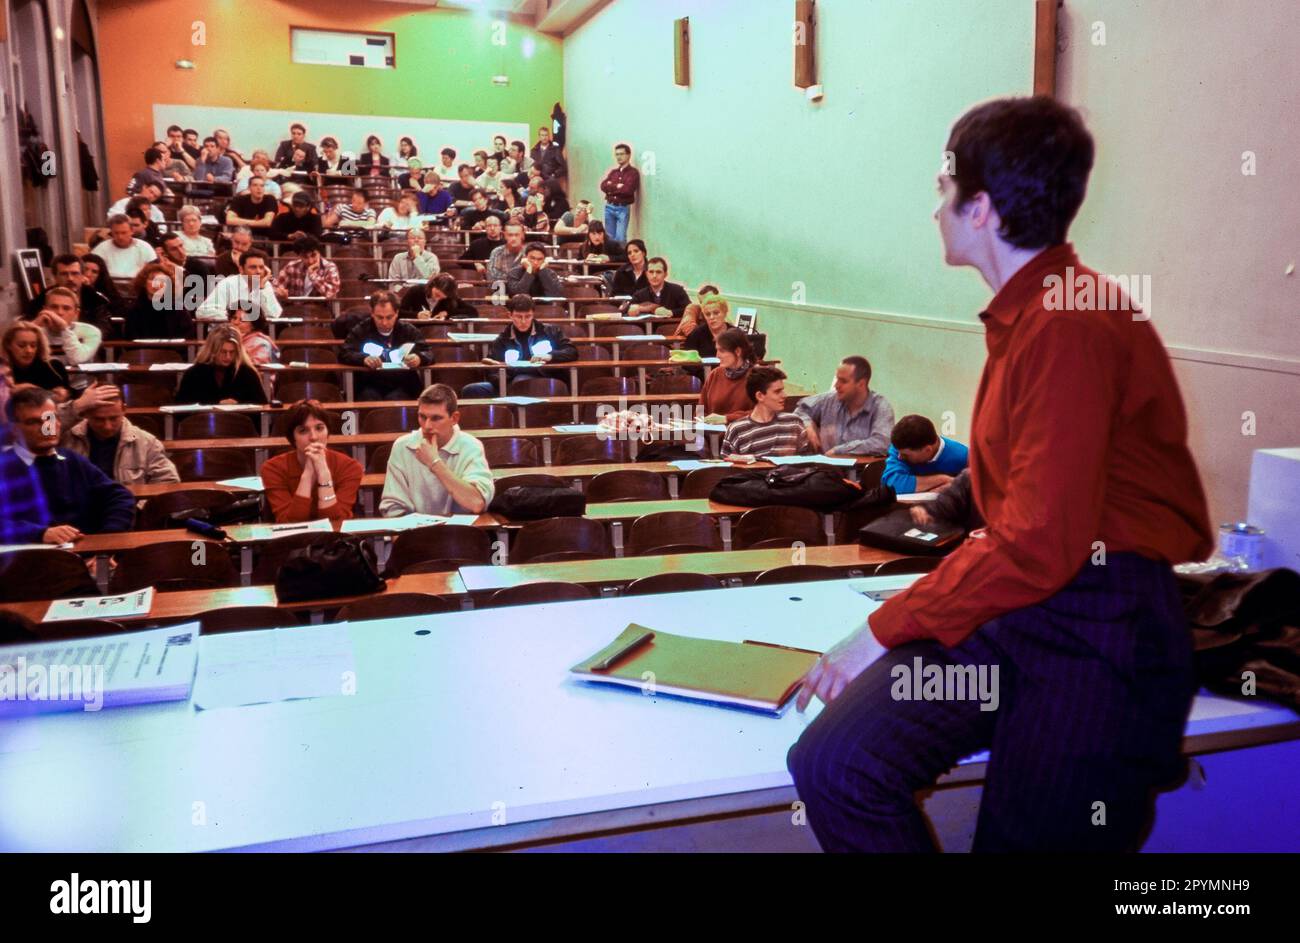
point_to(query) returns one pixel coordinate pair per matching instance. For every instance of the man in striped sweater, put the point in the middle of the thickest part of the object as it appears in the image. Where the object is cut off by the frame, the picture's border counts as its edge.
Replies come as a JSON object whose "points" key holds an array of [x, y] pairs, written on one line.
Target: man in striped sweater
{"points": [[768, 429]]}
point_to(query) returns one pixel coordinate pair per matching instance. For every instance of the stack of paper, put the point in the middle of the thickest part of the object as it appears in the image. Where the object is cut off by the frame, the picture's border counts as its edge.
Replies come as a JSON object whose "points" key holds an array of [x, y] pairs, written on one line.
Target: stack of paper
{"points": [[918, 497], [271, 531], [169, 367], [102, 367], [519, 400], [137, 603], [577, 429], [836, 460], [94, 673], [685, 464], [184, 408]]}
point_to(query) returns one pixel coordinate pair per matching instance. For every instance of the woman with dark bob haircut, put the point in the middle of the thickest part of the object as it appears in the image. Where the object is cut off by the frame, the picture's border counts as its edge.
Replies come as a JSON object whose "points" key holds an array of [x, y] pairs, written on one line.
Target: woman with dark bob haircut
{"points": [[311, 481]]}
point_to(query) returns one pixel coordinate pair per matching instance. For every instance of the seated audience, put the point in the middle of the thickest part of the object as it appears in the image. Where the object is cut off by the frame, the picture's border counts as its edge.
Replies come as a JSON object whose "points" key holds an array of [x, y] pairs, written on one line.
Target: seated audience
{"points": [[153, 172], [259, 169], [547, 155], [768, 429], [250, 290], [96, 308], [481, 248], [598, 247], [373, 163], [407, 153], [919, 458], [156, 310], [241, 240], [191, 220], [704, 339], [146, 199], [27, 349], [298, 217], [332, 163], [312, 481], [506, 257], [402, 217], [850, 419], [462, 189], [120, 449], [659, 292], [555, 203], [631, 278], [310, 275], [256, 335], [435, 200], [256, 208], [438, 300], [190, 277], [356, 214], [297, 141], [176, 151], [94, 274], [693, 314], [725, 391], [526, 345], [213, 166], [437, 468], [122, 252], [534, 276], [572, 225], [446, 168], [417, 262], [377, 341], [223, 145], [142, 227], [80, 341], [222, 372], [476, 216], [79, 499]]}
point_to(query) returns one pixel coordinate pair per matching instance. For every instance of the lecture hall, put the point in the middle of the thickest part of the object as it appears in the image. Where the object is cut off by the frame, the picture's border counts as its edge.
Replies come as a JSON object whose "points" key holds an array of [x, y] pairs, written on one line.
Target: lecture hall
{"points": [[650, 426]]}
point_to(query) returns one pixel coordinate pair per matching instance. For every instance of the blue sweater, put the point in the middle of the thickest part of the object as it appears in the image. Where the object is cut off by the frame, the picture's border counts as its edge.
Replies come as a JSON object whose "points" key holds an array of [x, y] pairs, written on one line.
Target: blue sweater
{"points": [[901, 475], [76, 493]]}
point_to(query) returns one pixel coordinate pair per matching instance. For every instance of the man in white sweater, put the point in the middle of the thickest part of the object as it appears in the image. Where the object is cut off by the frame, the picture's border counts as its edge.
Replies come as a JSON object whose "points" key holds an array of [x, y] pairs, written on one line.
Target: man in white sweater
{"points": [[437, 469]]}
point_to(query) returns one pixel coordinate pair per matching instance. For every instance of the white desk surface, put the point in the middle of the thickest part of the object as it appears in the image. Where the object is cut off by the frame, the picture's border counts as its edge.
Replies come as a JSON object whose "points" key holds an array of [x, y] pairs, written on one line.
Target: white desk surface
{"points": [[481, 711]]}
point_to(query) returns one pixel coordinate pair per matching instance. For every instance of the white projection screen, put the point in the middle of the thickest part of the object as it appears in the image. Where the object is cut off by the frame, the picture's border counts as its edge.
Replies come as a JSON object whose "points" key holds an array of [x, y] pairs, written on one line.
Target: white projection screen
{"points": [[252, 128]]}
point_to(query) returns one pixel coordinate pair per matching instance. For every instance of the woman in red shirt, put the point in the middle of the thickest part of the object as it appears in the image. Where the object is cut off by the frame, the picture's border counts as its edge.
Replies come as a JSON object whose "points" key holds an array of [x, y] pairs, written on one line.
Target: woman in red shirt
{"points": [[312, 481], [724, 392]]}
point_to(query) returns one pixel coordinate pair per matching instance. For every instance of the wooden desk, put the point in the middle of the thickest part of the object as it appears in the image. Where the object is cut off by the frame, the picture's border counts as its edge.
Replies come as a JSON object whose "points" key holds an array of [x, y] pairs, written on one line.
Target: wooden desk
{"points": [[619, 571], [190, 604]]}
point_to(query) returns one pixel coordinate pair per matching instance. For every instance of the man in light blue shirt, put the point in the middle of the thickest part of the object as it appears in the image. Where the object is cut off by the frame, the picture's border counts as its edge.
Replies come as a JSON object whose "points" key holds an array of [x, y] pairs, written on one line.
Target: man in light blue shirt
{"points": [[213, 166], [849, 419], [920, 459]]}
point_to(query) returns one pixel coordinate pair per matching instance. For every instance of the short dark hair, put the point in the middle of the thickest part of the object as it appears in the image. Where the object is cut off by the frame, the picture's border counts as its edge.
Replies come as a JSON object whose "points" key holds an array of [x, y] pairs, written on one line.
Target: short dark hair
{"points": [[913, 432], [861, 367], [515, 221], [535, 247], [26, 394], [383, 297], [1032, 156], [170, 236], [305, 244], [478, 192], [298, 126], [449, 152], [301, 198], [152, 155], [300, 412], [436, 394], [623, 146], [760, 378], [190, 131], [733, 338], [595, 226], [520, 302], [658, 260], [523, 148], [66, 258], [463, 167], [329, 142], [209, 140], [253, 254], [175, 127], [640, 244]]}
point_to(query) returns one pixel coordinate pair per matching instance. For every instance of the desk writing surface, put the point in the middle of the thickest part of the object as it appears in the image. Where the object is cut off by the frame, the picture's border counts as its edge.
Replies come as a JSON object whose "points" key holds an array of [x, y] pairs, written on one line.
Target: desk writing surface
{"points": [[431, 740]]}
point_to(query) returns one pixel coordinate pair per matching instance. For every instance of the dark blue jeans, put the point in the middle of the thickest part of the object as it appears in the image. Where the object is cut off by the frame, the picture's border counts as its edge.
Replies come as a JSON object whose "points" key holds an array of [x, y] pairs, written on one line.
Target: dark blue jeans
{"points": [[1095, 684]]}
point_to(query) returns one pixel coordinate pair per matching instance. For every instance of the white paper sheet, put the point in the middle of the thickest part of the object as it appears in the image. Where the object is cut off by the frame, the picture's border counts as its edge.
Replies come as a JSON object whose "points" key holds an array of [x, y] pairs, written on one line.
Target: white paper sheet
{"points": [[577, 429], [105, 671], [370, 525], [9, 548], [640, 337], [809, 460], [159, 340], [168, 367], [519, 400], [271, 531], [919, 497], [238, 407], [462, 338], [184, 408], [688, 464], [252, 483], [136, 603], [102, 367], [262, 667]]}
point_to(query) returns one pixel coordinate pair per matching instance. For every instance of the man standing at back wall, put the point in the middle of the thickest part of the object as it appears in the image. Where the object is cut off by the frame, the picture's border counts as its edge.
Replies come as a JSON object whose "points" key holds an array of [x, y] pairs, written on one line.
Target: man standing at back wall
{"points": [[620, 186], [1066, 599]]}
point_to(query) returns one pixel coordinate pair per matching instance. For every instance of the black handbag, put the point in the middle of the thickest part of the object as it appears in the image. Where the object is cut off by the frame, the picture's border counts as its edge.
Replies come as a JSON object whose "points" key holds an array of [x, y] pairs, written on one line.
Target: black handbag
{"points": [[244, 510], [897, 531], [532, 503], [810, 486], [337, 566]]}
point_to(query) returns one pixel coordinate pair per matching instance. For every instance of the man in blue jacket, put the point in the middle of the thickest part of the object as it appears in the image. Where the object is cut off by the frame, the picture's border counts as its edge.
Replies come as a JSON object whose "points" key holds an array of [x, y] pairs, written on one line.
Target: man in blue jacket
{"points": [[79, 499], [919, 458]]}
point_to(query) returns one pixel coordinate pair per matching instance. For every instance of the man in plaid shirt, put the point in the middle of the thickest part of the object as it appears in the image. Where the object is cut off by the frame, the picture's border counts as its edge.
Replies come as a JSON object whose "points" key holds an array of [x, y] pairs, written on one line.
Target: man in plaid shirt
{"points": [[309, 274]]}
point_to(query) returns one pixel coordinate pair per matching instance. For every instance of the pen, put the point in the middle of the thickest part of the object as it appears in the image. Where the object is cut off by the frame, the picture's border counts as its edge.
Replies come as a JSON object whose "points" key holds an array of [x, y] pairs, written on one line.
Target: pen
{"points": [[605, 663], [788, 648]]}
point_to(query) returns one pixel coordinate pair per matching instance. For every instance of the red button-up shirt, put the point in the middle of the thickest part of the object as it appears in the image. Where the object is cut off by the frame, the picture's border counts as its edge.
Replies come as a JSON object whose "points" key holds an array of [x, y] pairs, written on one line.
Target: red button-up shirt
{"points": [[621, 184], [1078, 435]]}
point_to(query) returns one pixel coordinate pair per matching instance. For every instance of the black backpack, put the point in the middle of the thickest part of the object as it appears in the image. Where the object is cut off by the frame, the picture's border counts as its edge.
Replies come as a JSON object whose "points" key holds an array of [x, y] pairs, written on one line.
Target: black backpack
{"points": [[897, 531], [339, 566], [533, 503], [809, 486]]}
